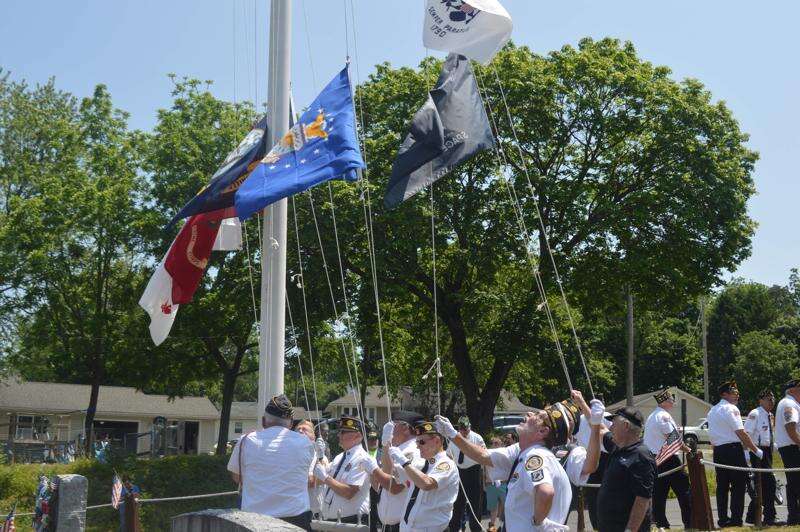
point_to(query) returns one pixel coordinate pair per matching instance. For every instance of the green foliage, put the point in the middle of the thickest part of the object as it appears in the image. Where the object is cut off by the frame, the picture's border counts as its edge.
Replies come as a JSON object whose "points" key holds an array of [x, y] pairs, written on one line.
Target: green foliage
{"points": [[168, 477], [762, 361]]}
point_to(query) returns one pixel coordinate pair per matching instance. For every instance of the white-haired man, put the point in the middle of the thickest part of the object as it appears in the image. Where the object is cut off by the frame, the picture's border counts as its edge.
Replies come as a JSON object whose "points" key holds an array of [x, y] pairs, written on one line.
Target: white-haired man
{"points": [[271, 467]]}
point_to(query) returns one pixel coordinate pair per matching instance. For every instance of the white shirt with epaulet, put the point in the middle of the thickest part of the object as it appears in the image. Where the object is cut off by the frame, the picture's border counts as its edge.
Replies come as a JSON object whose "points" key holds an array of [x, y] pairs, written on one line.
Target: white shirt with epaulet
{"points": [[531, 467], [788, 411], [723, 422], [352, 472], [432, 509], [462, 460], [274, 471], [391, 506], [757, 425], [658, 426]]}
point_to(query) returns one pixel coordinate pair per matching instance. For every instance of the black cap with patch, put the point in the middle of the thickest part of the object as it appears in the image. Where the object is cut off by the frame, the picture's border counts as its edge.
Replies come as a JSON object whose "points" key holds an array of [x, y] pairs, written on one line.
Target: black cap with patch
{"points": [[663, 395], [728, 387], [425, 427], [766, 392], [350, 424], [280, 406], [791, 384]]}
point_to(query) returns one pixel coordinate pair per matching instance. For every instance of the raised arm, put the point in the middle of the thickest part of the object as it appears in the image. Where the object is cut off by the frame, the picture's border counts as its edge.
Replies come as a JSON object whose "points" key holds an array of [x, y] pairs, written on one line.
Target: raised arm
{"points": [[475, 452]]}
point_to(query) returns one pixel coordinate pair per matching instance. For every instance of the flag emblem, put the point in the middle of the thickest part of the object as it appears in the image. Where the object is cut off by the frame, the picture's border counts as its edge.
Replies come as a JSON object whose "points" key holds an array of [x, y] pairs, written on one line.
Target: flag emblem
{"points": [[116, 491]]}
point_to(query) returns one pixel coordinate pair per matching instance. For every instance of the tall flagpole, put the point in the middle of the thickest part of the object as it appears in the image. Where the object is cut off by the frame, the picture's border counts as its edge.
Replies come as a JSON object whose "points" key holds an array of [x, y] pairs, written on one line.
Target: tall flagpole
{"points": [[273, 256]]}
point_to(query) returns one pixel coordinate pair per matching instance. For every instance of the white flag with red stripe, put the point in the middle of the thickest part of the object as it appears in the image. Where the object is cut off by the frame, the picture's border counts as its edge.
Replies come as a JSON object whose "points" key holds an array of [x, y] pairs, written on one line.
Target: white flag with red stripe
{"points": [[157, 302]]}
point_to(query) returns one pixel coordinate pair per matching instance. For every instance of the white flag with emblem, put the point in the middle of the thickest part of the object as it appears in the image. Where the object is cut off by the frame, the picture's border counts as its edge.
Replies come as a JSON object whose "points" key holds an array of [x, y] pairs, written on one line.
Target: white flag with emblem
{"points": [[229, 237], [477, 29], [157, 302]]}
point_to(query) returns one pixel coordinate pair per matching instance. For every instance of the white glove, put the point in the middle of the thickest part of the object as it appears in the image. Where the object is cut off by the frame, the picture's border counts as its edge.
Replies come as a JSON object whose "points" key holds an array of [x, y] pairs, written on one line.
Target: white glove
{"points": [[548, 526], [369, 464], [319, 472], [598, 411], [497, 483], [397, 456], [388, 430], [759, 453], [320, 445], [747, 457], [443, 426]]}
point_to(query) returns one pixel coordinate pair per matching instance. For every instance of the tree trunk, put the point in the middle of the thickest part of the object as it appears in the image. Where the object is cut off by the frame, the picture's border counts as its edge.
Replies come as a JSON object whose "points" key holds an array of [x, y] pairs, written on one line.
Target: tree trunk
{"points": [[90, 414], [228, 386]]}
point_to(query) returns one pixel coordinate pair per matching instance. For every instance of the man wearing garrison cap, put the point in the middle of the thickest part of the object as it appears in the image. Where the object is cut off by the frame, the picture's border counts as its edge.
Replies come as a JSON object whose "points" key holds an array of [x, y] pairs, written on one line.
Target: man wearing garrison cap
{"points": [[787, 439], [729, 439], [660, 429], [760, 425], [539, 490], [346, 482], [469, 471], [271, 467]]}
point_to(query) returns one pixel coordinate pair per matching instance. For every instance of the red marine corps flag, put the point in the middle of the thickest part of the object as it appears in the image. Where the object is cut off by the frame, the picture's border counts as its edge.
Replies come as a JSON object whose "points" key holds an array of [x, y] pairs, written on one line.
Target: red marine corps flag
{"points": [[178, 274]]}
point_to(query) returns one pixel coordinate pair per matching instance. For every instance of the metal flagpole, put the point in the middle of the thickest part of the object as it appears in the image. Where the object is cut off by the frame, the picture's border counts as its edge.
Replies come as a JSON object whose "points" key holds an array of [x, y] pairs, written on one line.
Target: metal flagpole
{"points": [[273, 256]]}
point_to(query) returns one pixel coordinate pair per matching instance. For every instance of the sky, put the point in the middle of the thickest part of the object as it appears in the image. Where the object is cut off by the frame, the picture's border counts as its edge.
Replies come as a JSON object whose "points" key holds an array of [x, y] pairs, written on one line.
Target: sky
{"points": [[745, 52]]}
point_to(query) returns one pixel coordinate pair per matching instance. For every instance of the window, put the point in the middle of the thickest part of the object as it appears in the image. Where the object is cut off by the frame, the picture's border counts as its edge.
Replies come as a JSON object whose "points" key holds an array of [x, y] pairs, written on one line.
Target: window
{"points": [[371, 414], [237, 427], [31, 427]]}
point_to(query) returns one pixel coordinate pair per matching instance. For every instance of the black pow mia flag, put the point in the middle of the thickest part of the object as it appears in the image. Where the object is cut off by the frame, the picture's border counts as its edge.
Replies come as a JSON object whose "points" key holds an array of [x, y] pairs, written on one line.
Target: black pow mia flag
{"points": [[449, 128]]}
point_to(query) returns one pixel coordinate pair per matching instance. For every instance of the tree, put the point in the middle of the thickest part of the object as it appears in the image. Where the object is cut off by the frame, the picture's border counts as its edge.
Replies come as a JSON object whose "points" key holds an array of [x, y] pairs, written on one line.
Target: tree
{"points": [[762, 361], [68, 232], [640, 180]]}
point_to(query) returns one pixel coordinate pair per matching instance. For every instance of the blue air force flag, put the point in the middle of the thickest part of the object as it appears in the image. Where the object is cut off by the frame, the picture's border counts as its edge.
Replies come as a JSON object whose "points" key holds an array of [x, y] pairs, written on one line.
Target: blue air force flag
{"points": [[477, 29], [219, 193], [449, 128], [321, 146]]}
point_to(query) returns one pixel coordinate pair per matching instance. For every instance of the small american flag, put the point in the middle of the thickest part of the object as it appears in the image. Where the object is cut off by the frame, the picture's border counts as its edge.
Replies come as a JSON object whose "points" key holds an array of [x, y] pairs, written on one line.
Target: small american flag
{"points": [[670, 447], [8, 524], [116, 491]]}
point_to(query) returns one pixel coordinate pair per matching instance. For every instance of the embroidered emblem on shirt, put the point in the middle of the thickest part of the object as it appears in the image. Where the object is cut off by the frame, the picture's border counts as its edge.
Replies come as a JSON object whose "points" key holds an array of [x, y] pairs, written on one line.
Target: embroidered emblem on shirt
{"points": [[443, 467], [347, 467], [787, 415], [537, 475], [534, 462]]}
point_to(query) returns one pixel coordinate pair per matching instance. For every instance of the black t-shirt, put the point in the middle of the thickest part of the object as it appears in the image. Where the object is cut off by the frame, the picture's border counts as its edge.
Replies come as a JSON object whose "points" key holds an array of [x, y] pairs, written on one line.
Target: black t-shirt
{"points": [[630, 473]]}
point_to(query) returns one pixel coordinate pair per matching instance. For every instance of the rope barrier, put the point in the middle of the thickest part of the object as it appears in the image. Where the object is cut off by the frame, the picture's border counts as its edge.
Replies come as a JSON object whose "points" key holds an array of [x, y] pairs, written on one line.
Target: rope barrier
{"points": [[660, 475], [709, 463]]}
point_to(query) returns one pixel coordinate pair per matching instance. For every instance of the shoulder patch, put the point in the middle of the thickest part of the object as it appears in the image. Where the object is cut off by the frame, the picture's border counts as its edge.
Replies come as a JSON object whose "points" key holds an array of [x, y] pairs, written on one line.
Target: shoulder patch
{"points": [[787, 415], [537, 475], [443, 467], [753, 414], [534, 463]]}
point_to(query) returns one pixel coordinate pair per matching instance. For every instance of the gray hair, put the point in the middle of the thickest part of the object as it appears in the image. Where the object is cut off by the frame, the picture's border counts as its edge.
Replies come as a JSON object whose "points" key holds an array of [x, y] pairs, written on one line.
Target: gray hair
{"points": [[270, 420]]}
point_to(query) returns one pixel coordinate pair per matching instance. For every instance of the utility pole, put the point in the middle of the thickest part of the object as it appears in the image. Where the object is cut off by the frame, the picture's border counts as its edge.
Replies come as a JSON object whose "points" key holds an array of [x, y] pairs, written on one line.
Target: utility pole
{"points": [[704, 344], [273, 255], [629, 373]]}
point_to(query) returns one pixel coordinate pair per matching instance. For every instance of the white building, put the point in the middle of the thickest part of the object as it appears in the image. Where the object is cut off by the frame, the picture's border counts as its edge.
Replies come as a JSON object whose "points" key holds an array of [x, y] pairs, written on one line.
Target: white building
{"points": [[695, 407], [37, 412], [246, 417]]}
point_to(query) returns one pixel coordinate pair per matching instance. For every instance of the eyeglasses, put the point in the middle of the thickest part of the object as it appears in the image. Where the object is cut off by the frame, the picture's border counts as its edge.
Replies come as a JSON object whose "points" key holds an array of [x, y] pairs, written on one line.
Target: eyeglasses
{"points": [[422, 442]]}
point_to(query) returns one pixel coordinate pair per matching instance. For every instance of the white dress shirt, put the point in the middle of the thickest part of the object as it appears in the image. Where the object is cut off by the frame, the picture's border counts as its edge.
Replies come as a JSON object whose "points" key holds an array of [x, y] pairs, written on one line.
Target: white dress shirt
{"points": [[658, 426], [353, 473], [462, 460], [585, 432], [274, 471], [391, 506], [723, 422], [574, 466], [432, 509], [788, 410], [758, 425], [529, 468]]}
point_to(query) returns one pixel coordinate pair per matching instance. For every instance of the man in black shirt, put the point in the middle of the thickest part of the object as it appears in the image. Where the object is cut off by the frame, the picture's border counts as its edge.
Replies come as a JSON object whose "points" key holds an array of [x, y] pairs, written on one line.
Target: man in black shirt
{"points": [[624, 498]]}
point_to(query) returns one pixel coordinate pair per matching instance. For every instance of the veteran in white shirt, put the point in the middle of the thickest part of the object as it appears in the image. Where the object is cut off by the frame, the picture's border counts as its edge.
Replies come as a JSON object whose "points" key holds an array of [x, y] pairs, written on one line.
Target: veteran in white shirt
{"points": [[469, 471], [760, 425], [271, 466], [787, 439], [727, 435], [346, 481]]}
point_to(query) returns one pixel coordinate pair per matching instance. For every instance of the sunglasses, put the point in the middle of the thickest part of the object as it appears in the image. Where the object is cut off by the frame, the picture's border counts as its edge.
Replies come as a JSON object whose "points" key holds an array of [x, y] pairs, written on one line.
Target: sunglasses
{"points": [[423, 442]]}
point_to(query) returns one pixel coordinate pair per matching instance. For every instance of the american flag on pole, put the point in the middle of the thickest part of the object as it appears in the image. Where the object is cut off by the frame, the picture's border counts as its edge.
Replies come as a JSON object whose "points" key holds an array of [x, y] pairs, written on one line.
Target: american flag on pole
{"points": [[8, 524], [116, 491], [671, 446]]}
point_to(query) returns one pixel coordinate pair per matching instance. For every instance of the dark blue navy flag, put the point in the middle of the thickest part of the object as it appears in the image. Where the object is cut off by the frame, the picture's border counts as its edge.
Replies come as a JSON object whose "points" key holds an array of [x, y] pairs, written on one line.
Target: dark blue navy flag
{"points": [[451, 127], [219, 193], [321, 146]]}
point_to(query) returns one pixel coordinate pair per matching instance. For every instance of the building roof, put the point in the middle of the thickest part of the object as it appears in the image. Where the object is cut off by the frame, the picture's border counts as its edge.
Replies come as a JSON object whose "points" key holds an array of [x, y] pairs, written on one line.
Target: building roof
{"points": [[509, 403], [58, 398], [249, 410], [640, 399], [376, 397]]}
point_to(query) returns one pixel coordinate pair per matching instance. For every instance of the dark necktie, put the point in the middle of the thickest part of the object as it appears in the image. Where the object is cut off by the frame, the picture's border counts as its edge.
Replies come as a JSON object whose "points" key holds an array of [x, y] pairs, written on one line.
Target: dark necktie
{"points": [[769, 423], [414, 495], [513, 467], [338, 468], [460, 457]]}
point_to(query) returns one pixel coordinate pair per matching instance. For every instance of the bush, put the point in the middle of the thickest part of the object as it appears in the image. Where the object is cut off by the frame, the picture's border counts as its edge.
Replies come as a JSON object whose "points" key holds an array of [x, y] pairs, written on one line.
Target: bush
{"points": [[172, 476]]}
